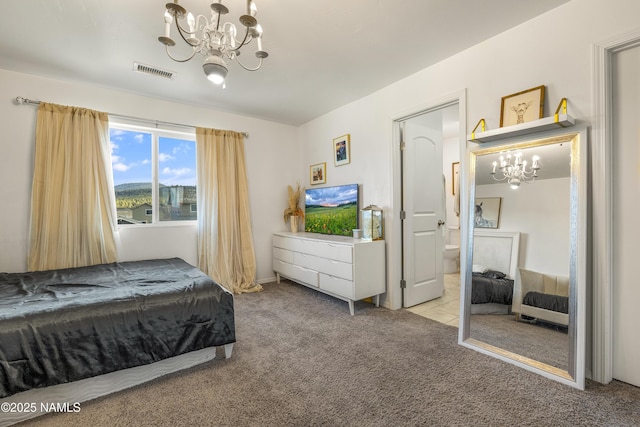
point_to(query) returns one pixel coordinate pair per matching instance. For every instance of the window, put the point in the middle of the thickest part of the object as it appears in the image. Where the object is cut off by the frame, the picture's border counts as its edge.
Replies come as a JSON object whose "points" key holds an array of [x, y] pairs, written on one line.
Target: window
{"points": [[154, 174]]}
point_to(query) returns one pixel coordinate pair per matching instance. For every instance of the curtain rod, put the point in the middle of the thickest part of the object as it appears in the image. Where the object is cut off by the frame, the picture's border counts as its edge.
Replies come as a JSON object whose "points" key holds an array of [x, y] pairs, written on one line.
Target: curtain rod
{"points": [[21, 100]]}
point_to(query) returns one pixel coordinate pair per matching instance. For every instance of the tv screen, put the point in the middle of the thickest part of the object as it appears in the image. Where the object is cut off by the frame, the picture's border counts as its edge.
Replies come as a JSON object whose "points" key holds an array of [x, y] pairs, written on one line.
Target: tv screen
{"points": [[331, 210]]}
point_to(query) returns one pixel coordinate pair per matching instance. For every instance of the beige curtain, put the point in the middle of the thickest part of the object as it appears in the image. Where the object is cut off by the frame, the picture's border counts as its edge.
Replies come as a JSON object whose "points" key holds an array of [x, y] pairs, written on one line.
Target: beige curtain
{"points": [[225, 244], [73, 214]]}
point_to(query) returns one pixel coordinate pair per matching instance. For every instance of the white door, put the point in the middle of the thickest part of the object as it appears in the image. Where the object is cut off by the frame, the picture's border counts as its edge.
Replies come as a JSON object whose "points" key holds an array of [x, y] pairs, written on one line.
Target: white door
{"points": [[423, 206], [626, 205]]}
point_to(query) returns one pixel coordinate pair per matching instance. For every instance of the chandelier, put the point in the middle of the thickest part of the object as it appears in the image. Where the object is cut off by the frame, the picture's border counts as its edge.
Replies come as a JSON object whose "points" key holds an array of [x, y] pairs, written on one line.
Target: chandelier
{"points": [[211, 38], [514, 170]]}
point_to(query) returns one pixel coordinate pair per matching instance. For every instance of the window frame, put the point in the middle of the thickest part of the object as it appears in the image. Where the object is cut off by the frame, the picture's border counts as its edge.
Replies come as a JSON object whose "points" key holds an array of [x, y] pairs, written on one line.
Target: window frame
{"points": [[156, 134]]}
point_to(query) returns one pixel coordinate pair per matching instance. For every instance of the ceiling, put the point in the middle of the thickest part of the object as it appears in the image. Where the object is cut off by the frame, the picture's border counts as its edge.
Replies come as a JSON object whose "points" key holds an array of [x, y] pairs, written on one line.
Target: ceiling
{"points": [[322, 54]]}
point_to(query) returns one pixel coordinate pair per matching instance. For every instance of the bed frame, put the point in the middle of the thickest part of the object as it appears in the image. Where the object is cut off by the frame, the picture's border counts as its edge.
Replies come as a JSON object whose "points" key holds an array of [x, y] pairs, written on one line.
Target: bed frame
{"points": [[500, 251], [102, 385]]}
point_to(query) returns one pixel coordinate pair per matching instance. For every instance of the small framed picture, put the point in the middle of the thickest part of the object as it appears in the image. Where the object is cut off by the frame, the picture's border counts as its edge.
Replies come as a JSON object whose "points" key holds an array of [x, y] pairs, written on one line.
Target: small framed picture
{"points": [[487, 212], [455, 178], [522, 107], [342, 150], [318, 173]]}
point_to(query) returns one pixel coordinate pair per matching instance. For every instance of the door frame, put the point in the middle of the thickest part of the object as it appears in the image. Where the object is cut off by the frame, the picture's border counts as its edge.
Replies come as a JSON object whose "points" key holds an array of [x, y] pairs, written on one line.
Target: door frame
{"points": [[602, 204], [395, 242]]}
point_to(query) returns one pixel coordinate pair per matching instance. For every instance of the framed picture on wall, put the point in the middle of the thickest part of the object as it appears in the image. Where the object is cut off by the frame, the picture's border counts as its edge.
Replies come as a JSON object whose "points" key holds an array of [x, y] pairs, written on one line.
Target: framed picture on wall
{"points": [[318, 173], [342, 150], [455, 177], [522, 107], [487, 212]]}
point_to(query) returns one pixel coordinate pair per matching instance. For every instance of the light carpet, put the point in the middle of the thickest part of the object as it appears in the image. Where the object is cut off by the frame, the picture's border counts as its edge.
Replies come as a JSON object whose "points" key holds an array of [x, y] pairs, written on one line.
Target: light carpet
{"points": [[302, 360]]}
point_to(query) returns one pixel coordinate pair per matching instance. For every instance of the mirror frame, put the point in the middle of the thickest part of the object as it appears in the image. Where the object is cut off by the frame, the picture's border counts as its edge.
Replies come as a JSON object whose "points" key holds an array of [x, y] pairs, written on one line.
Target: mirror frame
{"points": [[574, 376]]}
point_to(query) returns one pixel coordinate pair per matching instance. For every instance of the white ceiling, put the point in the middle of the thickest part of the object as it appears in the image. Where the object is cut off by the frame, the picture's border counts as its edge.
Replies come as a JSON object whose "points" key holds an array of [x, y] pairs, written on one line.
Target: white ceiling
{"points": [[322, 54]]}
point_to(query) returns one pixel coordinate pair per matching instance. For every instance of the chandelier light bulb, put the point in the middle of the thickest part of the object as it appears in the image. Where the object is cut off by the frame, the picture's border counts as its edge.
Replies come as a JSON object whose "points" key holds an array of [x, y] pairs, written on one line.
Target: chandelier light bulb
{"points": [[168, 19], [191, 21], [216, 79], [259, 38], [215, 69]]}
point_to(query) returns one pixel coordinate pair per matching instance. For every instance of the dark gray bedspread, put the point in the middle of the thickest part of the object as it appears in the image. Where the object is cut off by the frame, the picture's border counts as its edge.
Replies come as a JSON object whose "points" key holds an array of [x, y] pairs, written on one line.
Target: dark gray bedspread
{"points": [[547, 301], [487, 289], [65, 325]]}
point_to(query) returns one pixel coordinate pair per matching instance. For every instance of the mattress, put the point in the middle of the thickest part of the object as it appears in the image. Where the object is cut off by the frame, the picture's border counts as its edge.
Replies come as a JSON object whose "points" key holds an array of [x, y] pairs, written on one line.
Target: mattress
{"points": [[487, 288], [550, 302], [60, 326]]}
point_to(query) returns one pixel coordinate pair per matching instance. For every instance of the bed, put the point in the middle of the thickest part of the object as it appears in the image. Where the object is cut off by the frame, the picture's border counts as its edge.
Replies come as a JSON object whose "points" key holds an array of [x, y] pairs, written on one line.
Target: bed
{"points": [[495, 264], [541, 297], [74, 327]]}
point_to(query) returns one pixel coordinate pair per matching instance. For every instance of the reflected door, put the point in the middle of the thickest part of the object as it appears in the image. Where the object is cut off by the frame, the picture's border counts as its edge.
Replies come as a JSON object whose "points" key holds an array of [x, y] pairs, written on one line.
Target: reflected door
{"points": [[423, 193]]}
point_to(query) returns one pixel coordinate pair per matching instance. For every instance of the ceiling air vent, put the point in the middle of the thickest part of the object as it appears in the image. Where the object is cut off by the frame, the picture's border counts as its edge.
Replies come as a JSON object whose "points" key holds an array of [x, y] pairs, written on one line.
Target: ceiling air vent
{"points": [[154, 71]]}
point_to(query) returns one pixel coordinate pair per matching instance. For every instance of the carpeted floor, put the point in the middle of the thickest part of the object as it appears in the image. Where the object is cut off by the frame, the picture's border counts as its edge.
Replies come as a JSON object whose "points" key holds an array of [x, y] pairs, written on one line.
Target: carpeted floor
{"points": [[541, 342], [302, 360]]}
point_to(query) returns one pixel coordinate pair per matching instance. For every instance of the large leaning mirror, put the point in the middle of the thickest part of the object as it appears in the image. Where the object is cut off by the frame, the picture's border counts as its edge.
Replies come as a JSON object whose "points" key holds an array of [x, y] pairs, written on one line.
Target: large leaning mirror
{"points": [[524, 283]]}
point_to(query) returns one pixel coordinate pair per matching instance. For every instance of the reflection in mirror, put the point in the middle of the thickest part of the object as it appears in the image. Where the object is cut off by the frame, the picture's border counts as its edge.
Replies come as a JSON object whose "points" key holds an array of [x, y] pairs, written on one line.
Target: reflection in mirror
{"points": [[521, 296]]}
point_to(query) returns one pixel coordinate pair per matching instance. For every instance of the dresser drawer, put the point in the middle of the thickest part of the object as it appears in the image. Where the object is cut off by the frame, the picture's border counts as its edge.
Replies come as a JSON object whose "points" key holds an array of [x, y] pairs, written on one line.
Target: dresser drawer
{"points": [[324, 265], [296, 273], [337, 286], [283, 255], [283, 242], [333, 251]]}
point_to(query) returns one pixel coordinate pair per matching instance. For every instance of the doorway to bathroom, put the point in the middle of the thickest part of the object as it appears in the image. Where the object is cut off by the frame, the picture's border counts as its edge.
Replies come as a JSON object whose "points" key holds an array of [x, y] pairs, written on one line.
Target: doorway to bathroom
{"points": [[430, 159]]}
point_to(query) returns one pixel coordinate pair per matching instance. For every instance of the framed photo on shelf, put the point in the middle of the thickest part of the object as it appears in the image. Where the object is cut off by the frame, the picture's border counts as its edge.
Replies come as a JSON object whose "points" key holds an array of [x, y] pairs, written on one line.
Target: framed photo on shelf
{"points": [[342, 150], [522, 107], [318, 173], [487, 212]]}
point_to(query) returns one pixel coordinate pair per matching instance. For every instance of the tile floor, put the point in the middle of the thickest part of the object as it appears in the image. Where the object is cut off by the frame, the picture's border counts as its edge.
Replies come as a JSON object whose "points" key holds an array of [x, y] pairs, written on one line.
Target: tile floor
{"points": [[445, 309]]}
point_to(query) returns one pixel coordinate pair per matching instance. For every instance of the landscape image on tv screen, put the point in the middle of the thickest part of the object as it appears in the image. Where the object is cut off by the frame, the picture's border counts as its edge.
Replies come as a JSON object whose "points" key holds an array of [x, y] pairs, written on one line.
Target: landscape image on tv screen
{"points": [[331, 210]]}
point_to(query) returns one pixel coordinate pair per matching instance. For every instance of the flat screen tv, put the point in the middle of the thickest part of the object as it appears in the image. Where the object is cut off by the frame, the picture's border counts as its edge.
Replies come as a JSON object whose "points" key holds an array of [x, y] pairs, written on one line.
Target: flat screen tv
{"points": [[331, 210]]}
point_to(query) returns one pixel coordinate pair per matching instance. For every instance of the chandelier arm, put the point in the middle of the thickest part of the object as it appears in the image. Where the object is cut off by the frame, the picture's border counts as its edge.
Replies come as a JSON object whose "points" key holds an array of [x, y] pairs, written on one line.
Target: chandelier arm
{"points": [[247, 68], [246, 36], [199, 25], [182, 33], [181, 60]]}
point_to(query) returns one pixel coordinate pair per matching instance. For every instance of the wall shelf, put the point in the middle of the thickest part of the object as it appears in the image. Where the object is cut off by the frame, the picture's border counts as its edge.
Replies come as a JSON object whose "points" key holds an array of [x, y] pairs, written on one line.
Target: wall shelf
{"points": [[547, 123], [559, 120]]}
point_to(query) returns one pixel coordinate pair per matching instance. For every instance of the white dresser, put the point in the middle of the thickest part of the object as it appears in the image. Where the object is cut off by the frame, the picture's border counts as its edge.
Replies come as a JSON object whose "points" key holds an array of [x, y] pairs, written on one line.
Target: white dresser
{"points": [[344, 267]]}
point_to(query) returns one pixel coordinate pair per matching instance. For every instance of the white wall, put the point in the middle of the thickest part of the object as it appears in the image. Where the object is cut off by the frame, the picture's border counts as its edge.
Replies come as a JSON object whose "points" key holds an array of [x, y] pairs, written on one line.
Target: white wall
{"points": [[553, 49], [540, 212], [270, 150]]}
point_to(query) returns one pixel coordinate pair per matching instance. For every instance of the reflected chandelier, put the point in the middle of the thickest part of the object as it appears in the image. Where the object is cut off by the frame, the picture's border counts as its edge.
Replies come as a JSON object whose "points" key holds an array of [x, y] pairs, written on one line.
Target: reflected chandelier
{"points": [[215, 40], [514, 170]]}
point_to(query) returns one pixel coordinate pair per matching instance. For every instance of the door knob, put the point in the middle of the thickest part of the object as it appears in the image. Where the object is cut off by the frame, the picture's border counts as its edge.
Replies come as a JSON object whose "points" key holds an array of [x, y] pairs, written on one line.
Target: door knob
{"points": [[440, 223]]}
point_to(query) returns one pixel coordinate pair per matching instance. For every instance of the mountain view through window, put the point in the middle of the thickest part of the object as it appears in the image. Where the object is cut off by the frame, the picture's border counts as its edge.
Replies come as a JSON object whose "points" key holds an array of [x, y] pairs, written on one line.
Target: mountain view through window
{"points": [[141, 199]]}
